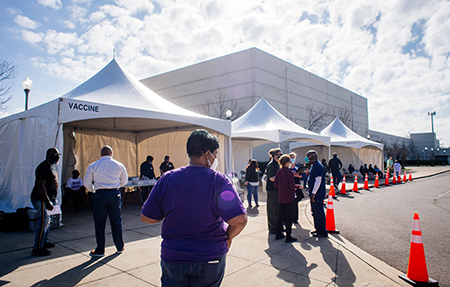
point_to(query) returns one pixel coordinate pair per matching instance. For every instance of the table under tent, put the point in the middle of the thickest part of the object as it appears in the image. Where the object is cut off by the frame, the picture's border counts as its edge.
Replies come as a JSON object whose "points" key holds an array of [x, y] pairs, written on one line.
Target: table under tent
{"points": [[111, 108]]}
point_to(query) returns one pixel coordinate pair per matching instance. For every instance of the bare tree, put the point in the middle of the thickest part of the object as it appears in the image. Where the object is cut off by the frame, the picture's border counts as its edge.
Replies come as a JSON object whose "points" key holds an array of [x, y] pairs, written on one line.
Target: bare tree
{"points": [[345, 116], [219, 107], [317, 117], [8, 72]]}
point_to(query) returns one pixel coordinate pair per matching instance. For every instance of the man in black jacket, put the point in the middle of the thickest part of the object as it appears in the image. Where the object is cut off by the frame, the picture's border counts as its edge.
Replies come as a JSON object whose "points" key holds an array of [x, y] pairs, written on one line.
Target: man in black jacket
{"points": [[335, 165]]}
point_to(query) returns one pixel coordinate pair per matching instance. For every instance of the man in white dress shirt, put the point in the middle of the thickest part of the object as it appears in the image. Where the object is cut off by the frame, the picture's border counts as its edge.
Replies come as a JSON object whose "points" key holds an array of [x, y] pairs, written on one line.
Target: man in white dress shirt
{"points": [[107, 175]]}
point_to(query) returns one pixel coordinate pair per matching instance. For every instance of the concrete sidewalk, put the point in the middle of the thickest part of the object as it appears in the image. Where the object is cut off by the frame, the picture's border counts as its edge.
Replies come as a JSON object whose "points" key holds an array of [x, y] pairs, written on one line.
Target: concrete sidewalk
{"points": [[255, 258]]}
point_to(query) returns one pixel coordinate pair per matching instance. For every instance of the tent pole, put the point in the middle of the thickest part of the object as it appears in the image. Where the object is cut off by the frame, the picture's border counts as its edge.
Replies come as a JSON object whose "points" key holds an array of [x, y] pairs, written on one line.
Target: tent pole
{"points": [[137, 154]]}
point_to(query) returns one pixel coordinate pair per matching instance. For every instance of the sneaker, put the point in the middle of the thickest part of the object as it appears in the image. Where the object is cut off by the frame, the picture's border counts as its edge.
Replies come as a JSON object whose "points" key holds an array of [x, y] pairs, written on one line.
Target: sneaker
{"points": [[40, 252], [96, 254], [290, 239], [49, 245], [120, 251]]}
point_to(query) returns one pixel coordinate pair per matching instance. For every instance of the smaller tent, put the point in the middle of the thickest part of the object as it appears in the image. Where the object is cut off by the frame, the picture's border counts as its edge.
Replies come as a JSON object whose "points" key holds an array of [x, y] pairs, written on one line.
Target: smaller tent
{"points": [[350, 147], [263, 124]]}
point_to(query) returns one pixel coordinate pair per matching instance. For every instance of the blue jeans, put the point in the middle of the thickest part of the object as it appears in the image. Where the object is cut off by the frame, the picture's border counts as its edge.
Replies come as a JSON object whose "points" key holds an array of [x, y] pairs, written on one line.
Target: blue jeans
{"points": [[107, 203], [43, 224], [194, 274], [252, 190]]}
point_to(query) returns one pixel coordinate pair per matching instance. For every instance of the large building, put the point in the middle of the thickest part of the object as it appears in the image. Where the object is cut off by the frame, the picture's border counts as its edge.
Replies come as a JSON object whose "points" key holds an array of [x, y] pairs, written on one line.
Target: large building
{"points": [[237, 81]]}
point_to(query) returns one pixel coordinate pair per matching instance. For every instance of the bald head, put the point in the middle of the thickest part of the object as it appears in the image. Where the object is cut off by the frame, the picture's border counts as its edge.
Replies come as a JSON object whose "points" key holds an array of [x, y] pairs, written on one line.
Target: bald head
{"points": [[312, 156], [106, 150]]}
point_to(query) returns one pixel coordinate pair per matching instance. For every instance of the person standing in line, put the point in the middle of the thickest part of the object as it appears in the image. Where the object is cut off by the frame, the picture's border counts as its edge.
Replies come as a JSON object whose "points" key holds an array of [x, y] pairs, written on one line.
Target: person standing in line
{"points": [[147, 171], [44, 192], [166, 165], [316, 185], [397, 168], [107, 175], [390, 166], [252, 182], [195, 201], [272, 191], [335, 166], [284, 182]]}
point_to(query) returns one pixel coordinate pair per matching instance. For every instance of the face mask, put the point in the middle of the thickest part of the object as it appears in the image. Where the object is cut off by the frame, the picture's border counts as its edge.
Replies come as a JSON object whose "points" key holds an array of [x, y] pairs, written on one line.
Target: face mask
{"points": [[215, 163], [306, 159], [292, 160]]}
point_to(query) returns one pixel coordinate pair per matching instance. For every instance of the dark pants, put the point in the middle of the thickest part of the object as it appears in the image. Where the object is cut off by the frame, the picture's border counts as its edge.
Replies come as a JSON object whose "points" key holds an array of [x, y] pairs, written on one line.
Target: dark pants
{"points": [[194, 274], [318, 215], [337, 177], [107, 203], [272, 210], [77, 196], [43, 224], [285, 216]]}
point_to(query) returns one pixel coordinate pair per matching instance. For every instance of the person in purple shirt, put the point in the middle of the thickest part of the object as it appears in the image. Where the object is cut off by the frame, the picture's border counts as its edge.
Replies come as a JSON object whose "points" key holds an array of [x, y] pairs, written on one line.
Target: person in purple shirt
{"points": [[285, 183], [202, 213]]}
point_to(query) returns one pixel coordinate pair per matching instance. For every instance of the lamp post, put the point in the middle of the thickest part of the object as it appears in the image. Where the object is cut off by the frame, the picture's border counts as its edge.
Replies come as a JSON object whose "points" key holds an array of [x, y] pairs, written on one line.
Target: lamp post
{"points": [[26, 84], [228, 114], [426, 156], [432, 124]]}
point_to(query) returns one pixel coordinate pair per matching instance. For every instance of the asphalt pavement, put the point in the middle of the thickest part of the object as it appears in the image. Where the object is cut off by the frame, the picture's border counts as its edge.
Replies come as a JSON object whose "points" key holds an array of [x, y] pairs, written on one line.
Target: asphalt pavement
{"points": [[379, 221]]}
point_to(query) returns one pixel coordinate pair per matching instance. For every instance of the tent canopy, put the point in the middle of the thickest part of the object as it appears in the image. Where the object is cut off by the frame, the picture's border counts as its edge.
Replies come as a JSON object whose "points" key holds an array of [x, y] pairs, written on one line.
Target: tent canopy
{"points": [[112, 107], [351, 147], [264, 122]]}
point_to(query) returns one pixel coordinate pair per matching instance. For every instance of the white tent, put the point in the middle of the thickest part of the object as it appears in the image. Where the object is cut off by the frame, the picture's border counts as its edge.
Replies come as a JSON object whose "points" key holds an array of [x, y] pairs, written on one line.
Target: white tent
{"points": [[262, 124], [350, 147], [110, 108]]}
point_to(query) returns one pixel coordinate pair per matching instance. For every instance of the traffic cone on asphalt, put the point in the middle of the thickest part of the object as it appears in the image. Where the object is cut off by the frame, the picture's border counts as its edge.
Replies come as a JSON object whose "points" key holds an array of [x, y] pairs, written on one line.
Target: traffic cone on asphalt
{"points": [[366, 182], [377, 184], [410, 176], [404, 177], [394, 179], [399, 179], [332, 192], [417, 273], [355, 184], [330, 223], [386, 178], [343, 190]]}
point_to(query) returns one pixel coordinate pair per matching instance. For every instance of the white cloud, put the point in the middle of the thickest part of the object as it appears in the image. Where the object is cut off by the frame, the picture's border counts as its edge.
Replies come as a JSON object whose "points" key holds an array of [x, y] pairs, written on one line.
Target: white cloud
{"points": [[25, 22], [358, 45], [55, 4]]}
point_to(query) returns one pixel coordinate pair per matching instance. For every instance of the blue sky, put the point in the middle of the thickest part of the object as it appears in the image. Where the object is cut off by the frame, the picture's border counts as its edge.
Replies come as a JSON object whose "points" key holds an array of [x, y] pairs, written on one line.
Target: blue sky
{"points": [[395, 53]]}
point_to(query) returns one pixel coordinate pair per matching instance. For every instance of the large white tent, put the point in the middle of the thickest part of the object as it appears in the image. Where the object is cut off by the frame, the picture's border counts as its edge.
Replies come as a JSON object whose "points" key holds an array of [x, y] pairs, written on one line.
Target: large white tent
{"points": [[111, 108], [350, 147], [263, 124]]}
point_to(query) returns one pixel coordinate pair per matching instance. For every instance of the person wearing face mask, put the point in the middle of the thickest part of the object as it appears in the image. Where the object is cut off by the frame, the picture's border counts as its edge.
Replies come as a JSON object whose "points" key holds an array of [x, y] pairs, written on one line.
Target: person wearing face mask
{"points": [[316, 185], [44, 192], [272, 191], [195, 201]]}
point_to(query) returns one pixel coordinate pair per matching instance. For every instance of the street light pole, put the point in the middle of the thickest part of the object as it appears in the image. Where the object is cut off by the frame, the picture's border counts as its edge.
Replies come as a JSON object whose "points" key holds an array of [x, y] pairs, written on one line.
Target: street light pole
{"points": [[432, 124], [26, 84]]}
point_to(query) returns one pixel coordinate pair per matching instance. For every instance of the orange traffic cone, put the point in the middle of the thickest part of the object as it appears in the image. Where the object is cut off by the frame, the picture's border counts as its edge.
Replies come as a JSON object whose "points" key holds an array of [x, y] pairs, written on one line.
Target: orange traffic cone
{"points": [[404, 177], [355, 184], [330, 223], [394, 179], [343, 190], [410, 176], [332, 192], [417, 273], [366, 182], [377, 184], [399, 179], [386, 178]]}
